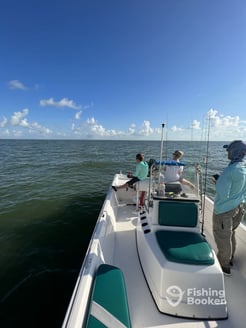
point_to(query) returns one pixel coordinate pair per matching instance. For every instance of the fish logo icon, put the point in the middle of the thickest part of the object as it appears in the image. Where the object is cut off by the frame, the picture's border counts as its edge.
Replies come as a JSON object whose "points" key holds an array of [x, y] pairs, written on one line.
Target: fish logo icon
{"points": [[174, 295]]}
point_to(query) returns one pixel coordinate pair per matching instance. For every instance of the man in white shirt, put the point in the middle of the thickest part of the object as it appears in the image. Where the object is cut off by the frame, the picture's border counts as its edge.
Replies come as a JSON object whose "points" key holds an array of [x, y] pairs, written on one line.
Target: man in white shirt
{"points": [[173, 169]]}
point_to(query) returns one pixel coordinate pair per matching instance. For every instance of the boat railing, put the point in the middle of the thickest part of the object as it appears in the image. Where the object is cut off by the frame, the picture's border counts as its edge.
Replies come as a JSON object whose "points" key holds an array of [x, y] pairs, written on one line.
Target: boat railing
{"points": [[190, 184]]}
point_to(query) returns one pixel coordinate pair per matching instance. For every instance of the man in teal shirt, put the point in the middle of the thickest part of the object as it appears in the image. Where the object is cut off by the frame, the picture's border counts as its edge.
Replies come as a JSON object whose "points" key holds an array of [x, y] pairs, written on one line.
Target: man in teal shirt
{"points": [[141, 173], [229, 203]]}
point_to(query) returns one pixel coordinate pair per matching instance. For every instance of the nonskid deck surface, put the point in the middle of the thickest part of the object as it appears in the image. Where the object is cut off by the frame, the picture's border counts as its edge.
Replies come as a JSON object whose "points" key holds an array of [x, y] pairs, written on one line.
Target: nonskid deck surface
{"points": [[143, 310]]}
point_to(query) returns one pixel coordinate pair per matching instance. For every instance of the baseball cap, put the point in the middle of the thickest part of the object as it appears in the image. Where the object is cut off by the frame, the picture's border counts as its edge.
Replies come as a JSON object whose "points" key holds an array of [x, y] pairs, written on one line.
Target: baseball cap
{"points": [[237, 145], [178, 153], [236, 150]]}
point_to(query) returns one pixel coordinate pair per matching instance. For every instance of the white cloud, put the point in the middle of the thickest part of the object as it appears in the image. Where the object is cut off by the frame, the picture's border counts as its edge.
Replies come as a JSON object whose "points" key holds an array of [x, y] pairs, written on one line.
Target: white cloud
{"points": [[17, 133], [3, 122], [176, 129], [195, 125], [93, 129], [146, 129], [17, 117], [6, 133], [222, 128], [222, 121], [91, 121], [78, 114], [16, 84], [64, 102], [132, 129], [24, 123], [99, 129], [96, 128], [35, 127]]}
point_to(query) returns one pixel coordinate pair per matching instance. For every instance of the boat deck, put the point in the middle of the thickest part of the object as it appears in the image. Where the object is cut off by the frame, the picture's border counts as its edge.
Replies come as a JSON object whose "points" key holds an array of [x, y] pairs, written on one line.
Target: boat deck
{"points": [[145, 313]]}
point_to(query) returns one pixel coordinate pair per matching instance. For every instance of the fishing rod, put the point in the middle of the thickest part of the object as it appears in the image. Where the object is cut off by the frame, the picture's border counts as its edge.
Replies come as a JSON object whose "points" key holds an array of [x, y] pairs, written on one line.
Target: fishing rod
{"points": [[151, 167], [203, 196], [159, 179]]}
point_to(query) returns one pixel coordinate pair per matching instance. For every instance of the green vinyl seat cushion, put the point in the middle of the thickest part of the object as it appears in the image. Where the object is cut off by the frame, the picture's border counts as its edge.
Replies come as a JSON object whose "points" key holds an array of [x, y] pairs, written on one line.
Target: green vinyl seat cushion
{"points": [[109, 296], [178, 214], [185, 247]]}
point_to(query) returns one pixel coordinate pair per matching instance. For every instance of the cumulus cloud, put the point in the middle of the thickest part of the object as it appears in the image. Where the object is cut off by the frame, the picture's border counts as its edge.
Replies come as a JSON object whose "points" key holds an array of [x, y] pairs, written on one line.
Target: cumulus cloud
{"points": [[24, 123], [91, 121], [17, 117], [96, 128], [16, 84], [64, 102], [78, 115], [176, 129], [39, 128], [195, 125], [146, 129], [3, 122], [6, 133], [93, 129], [221, 120], [132, 129], [226, 127]]}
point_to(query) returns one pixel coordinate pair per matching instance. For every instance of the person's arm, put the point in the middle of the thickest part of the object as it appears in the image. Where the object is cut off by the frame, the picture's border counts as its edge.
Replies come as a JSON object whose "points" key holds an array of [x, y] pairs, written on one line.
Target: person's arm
{"points": [[179, 172], [136, 174], [223, 185]]}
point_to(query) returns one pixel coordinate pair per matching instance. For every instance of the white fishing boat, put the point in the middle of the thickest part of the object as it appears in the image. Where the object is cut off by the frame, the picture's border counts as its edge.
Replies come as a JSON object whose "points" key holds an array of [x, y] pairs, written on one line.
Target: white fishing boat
{"points": [[151, 262]]}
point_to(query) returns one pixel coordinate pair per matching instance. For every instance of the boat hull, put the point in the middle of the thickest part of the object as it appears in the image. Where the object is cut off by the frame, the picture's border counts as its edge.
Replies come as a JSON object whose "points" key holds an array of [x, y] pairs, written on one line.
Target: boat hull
{"points": [[114, 242]]}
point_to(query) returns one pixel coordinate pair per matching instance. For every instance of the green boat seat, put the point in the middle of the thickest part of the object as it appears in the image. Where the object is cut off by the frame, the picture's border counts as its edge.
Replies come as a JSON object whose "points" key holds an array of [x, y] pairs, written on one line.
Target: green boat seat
{"points": [[185, 247], [178, 214], [109, 305]]}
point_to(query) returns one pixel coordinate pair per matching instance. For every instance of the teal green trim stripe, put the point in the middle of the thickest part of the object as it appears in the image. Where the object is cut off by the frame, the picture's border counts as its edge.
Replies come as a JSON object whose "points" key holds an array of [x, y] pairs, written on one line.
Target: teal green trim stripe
{"points": [[109, 299]]}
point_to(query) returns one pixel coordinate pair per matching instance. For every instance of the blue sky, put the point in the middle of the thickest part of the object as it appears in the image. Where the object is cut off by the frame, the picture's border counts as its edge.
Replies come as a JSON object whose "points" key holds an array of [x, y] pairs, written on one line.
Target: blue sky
{"points": [[117, 69]]}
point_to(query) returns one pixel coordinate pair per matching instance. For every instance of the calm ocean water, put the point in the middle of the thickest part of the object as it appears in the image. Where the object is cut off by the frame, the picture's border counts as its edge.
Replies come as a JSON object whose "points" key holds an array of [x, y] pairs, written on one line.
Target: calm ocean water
{"points": [[51, 193]]}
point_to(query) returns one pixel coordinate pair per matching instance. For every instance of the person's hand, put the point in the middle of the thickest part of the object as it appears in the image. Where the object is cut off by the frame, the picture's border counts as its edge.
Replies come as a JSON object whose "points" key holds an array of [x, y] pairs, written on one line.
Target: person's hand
{"points": [[215, 178]]}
